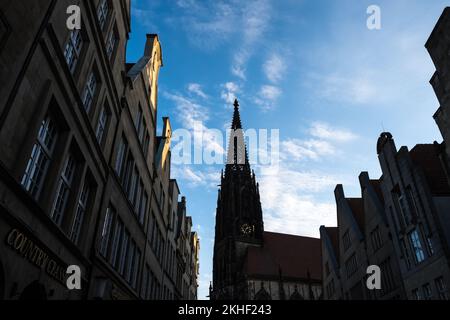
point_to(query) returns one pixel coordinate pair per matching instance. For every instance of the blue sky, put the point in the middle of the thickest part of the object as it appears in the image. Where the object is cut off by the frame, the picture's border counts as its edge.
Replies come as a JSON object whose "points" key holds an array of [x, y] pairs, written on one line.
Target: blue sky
{"points": [[309, 68]]}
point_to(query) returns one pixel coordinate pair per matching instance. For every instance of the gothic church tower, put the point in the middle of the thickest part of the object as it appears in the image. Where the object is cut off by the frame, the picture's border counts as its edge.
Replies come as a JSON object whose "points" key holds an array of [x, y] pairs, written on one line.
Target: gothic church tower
{"points": [[239, 222]]}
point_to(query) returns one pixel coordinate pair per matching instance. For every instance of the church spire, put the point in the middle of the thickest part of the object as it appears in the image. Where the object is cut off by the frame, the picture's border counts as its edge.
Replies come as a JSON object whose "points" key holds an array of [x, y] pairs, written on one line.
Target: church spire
{"points": [[236, 124], [237, 150]]}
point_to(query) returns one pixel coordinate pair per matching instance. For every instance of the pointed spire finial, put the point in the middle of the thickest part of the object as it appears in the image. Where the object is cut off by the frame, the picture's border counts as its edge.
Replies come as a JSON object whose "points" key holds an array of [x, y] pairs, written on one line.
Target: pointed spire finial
{"points": [[236, 103]]}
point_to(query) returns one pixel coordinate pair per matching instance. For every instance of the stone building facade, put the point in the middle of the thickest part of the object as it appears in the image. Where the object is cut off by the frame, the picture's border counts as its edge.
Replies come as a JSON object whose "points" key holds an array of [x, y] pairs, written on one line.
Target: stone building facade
{"points": [[401, 221], [438, 46], [84, 177], [400, 224]]}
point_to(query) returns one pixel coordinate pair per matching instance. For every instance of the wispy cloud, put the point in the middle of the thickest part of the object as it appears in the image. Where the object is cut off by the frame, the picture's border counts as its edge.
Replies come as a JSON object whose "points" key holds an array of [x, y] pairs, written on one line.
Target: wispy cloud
{"points": [[274, 68], [196, 176], [197, 89], [323, 141], [229, 92], [255, 17], [193, 117], [352, 89], [290, 203], [267, 97], [324, 131]]}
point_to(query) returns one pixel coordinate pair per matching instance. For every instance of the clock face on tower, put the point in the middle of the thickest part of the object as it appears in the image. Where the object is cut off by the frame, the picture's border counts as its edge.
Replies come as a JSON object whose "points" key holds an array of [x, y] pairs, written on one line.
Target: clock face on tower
{"points": [[247, 229]]}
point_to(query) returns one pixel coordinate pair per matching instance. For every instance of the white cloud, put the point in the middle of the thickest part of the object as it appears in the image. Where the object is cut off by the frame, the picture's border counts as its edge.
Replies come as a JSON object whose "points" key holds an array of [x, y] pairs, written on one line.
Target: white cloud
{"points": [[289, 201], [352, 89], [196, 176], [270, 92], [323, 130], [267, 97], [323, 142], [313, 149], [229, 92], [274, 68], [197, 89], [255, 17], [193, 117]]}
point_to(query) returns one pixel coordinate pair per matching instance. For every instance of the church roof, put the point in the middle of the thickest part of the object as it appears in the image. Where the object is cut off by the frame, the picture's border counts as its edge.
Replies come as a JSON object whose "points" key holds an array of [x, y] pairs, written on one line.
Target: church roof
{"points": [[425, 156], [294, 256]]}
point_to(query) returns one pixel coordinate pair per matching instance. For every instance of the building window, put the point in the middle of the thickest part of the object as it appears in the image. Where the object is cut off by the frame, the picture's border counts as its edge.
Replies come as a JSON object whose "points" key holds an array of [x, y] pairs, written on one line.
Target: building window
{"points": [[406, 255], [127, 181], [63, 190], [417, 246], [146, 143], [137, 261], [145, 283], [117, 238], [111, 43], [102, 13], [120, 159], [106, 231], [415, 208], [133, 189], [416, 294], [89, 91], [441, 288], [143, 205], [80, 213], [351, 265], [428, 241], [427, 293], [138, 197], [346, 241], [387, 277], [73, 49], [124, 253], [41, 156], [375, 236], [101, 125], [130, 260]]}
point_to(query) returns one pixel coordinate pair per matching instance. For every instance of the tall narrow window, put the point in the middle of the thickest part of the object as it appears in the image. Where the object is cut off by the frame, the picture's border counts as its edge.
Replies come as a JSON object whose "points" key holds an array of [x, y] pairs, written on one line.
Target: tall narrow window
{"points": [[441, 288], [133, 186], [138, 198], [80, 213], [41, 156], [63, 190], [143, 207], [137, 119], [417, 246], [142, 130], [111, 43], [137, 261], [101, 125], [117, 238], [146, 144], [102, 13], [427, 292], [130, 262], [127, 178], [121, 156], [123, 253], [89, 91], [73, 49], [106, 232], [406, 255]]}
